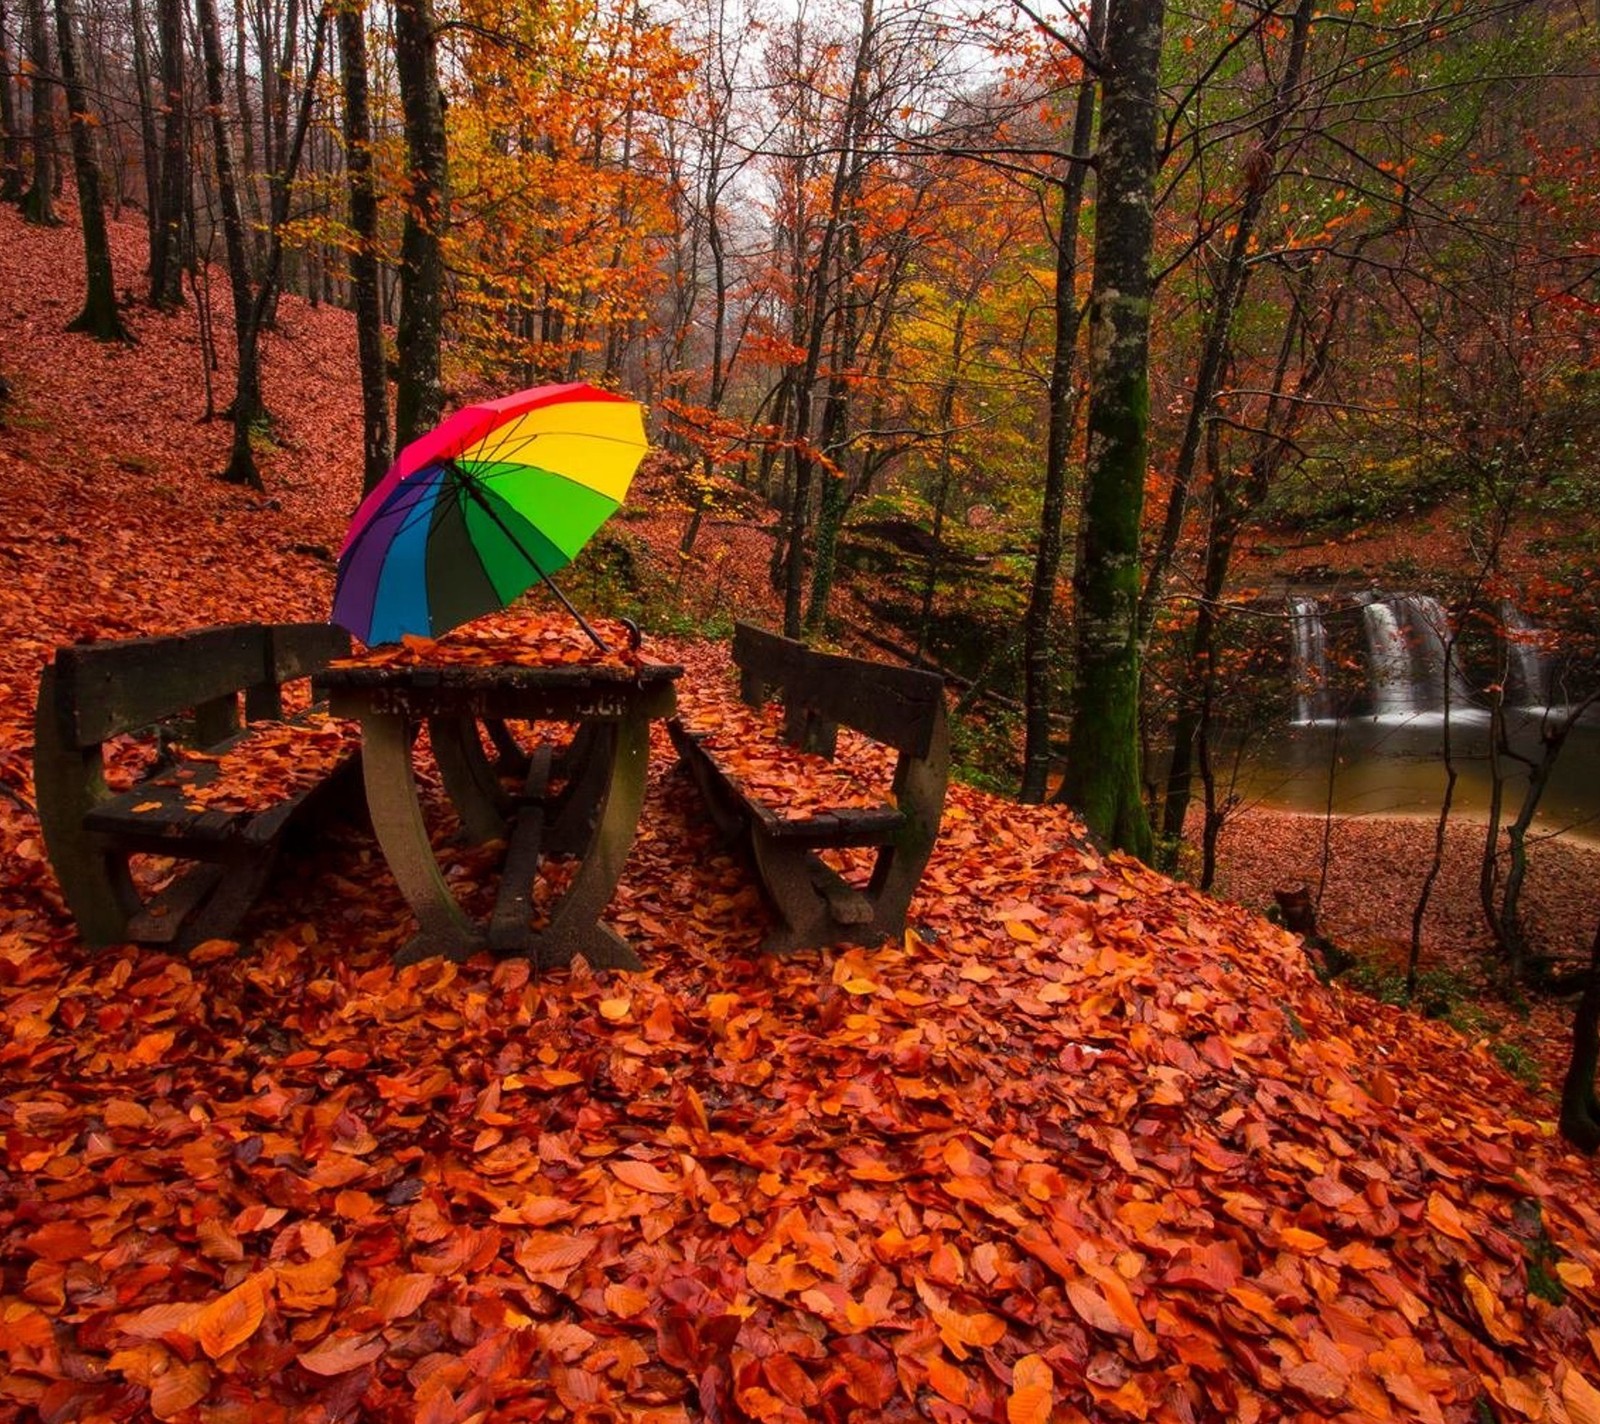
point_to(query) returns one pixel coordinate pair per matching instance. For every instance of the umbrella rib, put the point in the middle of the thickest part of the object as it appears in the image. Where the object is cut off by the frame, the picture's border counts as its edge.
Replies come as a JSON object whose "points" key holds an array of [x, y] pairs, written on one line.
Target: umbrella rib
{"points": [[486, 451], [472, 486], [411, 515]]}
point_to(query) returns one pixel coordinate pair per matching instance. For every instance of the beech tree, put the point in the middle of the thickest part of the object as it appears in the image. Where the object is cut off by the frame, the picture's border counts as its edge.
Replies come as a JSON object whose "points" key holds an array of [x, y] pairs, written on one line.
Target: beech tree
{"points": [[38, 202], [1102, 779], [364, 275], [419, 396], [1066, 316], [99, 316], [167, 249], [12, 180]]}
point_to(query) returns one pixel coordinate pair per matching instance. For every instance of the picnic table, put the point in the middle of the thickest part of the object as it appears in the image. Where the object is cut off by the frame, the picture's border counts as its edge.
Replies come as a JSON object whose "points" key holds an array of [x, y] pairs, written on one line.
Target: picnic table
{"points": [[593, 813]]}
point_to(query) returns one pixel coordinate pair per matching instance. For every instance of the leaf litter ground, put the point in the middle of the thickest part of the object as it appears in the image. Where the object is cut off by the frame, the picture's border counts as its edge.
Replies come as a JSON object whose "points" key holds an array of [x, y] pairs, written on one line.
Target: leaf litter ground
{"points": [[1086, 1145]]}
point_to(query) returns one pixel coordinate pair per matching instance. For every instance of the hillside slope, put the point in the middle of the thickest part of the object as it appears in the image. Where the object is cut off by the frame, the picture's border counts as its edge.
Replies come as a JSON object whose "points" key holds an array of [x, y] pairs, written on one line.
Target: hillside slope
{"points": [[1086, 1145]]}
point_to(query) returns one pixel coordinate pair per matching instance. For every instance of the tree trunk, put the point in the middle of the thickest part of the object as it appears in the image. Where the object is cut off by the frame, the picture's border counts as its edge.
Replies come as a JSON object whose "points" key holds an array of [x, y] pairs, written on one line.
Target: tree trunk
{"points": [[149, 141], [38, 203], [166, 256], [247, 124], [11, 175], [816, 311], [1580, 1112], [99, 315], [1260, 174], [418, 397], [1102, 774], [1039, 682], [364, 256], [247, 409], [1510, 932]]}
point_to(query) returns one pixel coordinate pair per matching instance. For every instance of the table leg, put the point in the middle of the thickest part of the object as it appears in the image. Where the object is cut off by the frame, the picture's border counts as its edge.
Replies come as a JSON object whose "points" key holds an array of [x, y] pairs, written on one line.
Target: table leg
{"points": [[587, 769], [397, 822], [575, 926], [469, 780]]}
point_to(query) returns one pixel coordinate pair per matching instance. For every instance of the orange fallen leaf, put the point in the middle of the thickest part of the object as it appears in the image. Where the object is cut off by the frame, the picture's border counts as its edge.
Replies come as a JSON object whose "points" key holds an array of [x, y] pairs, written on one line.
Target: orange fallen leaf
{"points": [[228, 1321], [339, 1354]]}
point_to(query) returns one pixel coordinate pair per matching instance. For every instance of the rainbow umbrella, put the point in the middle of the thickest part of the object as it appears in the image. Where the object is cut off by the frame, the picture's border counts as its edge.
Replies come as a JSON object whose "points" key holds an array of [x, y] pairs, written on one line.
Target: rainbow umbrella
{"points": [[503, 493]]}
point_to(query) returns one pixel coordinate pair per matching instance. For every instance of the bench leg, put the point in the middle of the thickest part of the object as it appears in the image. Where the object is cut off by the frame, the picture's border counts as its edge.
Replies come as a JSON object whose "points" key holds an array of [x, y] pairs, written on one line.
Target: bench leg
{"points": [[443, 929], [920, 785], [236, 891], [69, 782], [787, 877]]}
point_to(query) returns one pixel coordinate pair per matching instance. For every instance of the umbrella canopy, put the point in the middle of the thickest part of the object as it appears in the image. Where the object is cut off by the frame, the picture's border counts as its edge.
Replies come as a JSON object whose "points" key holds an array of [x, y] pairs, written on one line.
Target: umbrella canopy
{"points": [[501, 494]]}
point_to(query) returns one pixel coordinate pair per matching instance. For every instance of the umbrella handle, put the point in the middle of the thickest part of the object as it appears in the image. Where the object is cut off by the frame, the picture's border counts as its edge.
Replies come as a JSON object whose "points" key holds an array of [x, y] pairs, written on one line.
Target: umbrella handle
{"points": [[635, 637]]}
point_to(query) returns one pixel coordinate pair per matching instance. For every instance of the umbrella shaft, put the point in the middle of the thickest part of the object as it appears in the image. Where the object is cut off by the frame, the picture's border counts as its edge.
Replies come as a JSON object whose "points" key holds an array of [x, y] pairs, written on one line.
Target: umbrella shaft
{"points": [[471, 487]]}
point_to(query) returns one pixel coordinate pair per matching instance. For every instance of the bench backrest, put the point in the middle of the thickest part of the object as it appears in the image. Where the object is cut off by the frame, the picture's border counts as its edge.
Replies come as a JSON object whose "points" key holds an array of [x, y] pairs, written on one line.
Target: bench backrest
{"points": [[900, 707], [104, 689]]}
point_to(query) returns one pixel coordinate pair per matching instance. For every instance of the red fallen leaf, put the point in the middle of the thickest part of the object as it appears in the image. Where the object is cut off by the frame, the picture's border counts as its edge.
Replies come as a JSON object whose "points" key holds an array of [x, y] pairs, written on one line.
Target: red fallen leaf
{"points": [[1581, 1398], [156, 1321], [153, 1047], [308, 1285], [1329, 1191], [677, 1340], [339, 1354], [578, 1389], [948, 1381], [1442, 1214], [785, 1375], [124, 1112], [1216, 1267], [977, 1331], [626, 1302], [60, 1241], [870, 1382], [1317, 1380]]}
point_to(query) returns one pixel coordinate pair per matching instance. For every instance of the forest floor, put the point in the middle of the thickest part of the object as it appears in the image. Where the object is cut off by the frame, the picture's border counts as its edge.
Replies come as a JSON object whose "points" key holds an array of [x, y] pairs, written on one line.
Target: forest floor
{"points": [[147, 403], [1089, 1144]]}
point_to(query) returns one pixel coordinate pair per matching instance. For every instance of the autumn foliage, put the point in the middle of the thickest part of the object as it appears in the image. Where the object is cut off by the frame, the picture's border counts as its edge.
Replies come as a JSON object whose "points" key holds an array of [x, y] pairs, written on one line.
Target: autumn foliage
{"points": [[1086, 1145]]}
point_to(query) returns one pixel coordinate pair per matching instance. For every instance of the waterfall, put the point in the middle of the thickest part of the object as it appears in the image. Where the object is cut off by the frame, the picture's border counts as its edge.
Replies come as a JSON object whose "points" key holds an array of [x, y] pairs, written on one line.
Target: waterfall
{"points": [[1525, 658], [1394, 689], [1312, 695], [1430, 631], [1407, 639]]}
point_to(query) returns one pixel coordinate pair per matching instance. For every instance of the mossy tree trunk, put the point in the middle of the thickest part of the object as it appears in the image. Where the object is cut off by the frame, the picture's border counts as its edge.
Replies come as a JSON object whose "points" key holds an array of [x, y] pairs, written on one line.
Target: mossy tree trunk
{"points": [[247, 408], [149, 142], [1102, 775]]}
